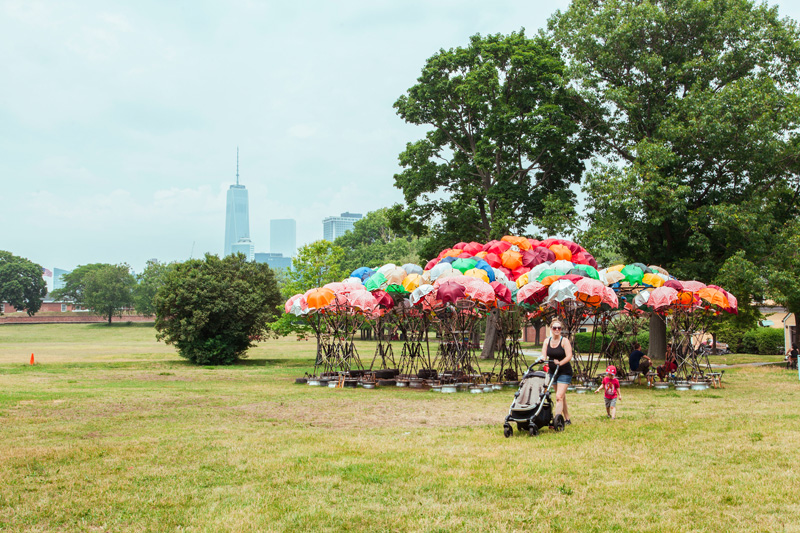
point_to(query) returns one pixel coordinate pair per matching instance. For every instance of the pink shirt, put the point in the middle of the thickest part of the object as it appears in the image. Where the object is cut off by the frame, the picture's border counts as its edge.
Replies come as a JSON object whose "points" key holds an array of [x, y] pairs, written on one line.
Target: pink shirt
{"points": [[611, 386]]}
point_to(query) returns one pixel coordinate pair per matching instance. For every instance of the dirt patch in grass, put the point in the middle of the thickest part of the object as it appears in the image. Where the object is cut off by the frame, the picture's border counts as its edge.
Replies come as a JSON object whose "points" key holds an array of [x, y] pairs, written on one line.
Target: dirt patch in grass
{"points": [[345, 413]]}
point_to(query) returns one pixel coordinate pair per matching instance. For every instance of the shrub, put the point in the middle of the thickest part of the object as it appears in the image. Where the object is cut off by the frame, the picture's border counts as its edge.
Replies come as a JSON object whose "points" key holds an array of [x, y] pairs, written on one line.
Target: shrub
{"points": [[763, 341], [583, 343], [212, 309]]}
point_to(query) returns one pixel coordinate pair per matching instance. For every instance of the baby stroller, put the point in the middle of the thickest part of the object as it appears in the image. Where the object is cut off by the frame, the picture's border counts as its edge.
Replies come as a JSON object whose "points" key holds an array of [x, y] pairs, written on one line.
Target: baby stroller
{"points": [[532, 407]]}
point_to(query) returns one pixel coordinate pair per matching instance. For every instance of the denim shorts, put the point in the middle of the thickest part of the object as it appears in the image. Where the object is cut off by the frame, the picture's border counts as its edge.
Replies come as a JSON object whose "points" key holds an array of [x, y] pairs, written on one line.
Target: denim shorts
{"points": [[563, 378], [611, 402]]}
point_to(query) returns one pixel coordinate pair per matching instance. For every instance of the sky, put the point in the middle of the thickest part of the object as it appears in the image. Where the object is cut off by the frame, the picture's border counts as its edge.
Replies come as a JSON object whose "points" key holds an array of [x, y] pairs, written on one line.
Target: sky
{"points": [[119, 121]]}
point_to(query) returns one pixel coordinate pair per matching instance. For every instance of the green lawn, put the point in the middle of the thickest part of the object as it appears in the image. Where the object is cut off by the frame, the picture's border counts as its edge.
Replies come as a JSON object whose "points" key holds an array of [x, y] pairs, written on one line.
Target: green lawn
{"points": [[112, 431]]}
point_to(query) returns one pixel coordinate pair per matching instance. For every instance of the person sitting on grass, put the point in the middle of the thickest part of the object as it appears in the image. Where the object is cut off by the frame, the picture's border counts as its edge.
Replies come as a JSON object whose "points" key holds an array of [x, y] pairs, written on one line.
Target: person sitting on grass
{"points": [[611, 385], [638, 361]]}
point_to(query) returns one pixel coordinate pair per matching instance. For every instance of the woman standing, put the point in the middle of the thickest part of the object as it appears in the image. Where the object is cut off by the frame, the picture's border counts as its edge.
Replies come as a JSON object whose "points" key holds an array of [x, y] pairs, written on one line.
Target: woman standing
{"points": [[558, 351]]}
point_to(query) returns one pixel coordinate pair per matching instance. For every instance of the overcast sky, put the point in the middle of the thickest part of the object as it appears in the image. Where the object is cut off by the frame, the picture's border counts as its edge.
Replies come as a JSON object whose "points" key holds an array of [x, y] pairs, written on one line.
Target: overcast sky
{"points": [[119, 121]]}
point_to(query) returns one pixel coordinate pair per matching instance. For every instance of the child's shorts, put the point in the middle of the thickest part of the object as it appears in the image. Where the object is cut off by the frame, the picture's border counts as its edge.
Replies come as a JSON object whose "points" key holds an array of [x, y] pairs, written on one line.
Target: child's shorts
{"points": [[611, 402]]}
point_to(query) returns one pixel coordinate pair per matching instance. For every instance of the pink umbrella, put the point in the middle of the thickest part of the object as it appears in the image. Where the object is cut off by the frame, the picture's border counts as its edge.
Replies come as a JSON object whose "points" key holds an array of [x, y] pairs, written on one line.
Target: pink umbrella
{"points": [[693, 286], [296, 305], [674, 284], [362, 300], [532, 292], [450, 292], [589, 291], [662, 297], [610, 297], [344, 288], [501, 292]]}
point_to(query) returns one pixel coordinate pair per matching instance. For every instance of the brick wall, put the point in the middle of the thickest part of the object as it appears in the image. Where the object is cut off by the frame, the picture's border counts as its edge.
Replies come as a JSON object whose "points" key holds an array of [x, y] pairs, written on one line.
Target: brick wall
{"points": [[68, 318]]}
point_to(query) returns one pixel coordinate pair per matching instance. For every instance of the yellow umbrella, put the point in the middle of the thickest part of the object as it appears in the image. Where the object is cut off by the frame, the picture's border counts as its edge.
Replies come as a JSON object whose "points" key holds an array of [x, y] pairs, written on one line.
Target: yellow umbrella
{"points": [[653, 280], [477, 273], [522, 280], [411, 282], [616, 268]]}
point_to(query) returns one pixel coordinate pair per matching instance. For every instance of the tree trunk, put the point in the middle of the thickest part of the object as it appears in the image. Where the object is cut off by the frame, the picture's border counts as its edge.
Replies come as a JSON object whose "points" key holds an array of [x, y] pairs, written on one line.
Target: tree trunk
{"points": [[109, 318], [658, 338], [538, 330], [490, 339]]}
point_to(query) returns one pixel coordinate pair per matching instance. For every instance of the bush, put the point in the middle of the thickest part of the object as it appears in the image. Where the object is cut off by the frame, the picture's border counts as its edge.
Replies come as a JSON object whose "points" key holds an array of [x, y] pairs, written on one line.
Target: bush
{"points": [[583, 343], [763, 341], [211, 309]]}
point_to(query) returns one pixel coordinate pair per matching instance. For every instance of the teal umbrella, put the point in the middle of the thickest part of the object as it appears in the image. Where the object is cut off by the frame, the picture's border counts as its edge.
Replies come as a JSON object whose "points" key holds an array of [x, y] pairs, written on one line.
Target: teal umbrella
{"points": [[549, 272], [464, 264], [633, 274], [396, 289]]}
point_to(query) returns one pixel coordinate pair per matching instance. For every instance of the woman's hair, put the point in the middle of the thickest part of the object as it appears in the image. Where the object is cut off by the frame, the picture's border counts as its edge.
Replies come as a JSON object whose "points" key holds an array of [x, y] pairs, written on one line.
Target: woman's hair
{"points": [[556, 321]]}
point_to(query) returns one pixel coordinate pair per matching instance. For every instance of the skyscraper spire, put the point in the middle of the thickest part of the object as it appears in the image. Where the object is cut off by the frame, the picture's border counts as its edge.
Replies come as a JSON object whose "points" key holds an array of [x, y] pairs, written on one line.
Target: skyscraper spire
{"points": [[237, 165]]}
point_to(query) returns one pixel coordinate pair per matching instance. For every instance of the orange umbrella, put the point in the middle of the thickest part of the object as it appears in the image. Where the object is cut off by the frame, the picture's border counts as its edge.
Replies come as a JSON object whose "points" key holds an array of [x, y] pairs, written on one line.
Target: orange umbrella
{"points": [[520, 242], [511, 260], [319, 298], [549, 280], [714, 297], [561, 252]]}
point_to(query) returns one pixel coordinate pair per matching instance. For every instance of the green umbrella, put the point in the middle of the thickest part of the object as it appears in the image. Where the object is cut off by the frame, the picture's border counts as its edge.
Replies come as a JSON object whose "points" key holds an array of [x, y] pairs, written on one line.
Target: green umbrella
{"points": [[464, 264], [590, 271], [396, 288], [375, 281], [633, 274], [549, 272]]}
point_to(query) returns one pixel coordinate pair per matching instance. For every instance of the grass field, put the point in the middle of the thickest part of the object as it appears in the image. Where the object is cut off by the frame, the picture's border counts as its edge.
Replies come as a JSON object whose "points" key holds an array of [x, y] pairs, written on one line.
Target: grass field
{"points": [[112, 431]]}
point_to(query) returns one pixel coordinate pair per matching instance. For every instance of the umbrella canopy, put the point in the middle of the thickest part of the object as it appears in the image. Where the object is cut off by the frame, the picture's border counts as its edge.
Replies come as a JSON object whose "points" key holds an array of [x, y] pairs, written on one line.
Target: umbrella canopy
{"points": [[538, 269], [654, 280], [384, 300], [411, 282], [499, 275], [610, 298], [658, 269], [618, 268], [473, 248], [693, 286], [420, 292], [662, 297], [344, 288], [561, 252], [644, 268], [532, 293], [493, 260], [549, 280], [395, 276], [560, 291], [546, 273], [319, 298], [386, 268], [674, 284], [450, 292], [354, 281], [589, 270], [511, 259], [714, 297], [411, 268], [642, 299], [464, 264], [541, 255], [296, 305], [362, 300], [633, 274], [563, 266], [477, 273], [486, 267], [590, 291], [376, 281], [520, 242], [501, 292], [440, 269], [362, 273]]}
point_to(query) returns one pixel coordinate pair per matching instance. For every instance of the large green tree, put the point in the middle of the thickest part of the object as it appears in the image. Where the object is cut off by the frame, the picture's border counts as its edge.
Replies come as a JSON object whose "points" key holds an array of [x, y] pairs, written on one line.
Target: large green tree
{"points": [[213, 309], [696, 107], [502, 147], [108, 290], [372, 242], [75, 283], [21, 283]]}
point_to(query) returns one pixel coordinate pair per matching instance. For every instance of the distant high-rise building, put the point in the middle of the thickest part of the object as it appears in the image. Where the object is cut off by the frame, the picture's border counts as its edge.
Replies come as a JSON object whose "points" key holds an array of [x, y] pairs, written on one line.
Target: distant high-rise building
{"points": [[283, 236], [333, 227], [274, 260], [244, 246], [237, 215], [58, 277]]}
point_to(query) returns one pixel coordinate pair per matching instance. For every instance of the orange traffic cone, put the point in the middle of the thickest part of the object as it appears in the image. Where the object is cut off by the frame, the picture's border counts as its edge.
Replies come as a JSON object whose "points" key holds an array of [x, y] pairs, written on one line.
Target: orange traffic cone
{"points": [[32, 362]]}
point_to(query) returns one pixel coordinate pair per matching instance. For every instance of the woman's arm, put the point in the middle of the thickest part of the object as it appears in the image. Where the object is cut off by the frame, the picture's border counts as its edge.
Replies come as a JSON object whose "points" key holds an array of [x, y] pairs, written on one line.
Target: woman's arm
{"points": [[544, 349]]}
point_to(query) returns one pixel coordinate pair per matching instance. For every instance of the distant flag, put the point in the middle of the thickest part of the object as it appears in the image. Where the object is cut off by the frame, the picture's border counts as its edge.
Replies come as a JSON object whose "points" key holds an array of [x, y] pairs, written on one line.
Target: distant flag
{"points": [[47, 273]]}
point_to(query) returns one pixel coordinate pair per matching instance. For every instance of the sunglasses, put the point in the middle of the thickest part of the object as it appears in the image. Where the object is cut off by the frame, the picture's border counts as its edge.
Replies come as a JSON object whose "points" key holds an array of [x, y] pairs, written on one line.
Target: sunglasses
{"points": [[556, 327]]}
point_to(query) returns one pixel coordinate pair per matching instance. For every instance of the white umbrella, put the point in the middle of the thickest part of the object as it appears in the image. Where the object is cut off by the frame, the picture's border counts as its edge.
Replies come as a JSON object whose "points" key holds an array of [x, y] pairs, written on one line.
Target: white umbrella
{"points": [[440, 269], [421, 292], [560, 291], [386, 268], [538, 269], [641, 299], [563, 265], [411, 268]]}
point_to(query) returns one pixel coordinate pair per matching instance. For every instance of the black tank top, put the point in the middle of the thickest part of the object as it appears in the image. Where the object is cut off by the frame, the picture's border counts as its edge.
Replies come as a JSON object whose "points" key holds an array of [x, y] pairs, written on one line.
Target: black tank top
{"points": [[557, 354]]}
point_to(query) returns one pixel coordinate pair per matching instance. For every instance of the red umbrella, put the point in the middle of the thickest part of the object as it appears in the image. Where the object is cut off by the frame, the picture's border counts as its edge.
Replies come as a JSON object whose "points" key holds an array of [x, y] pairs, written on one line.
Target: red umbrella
{"points": [[542, 254], [493, 260], [533, 293], [674, 284], [473, 248], [383, 299], [501, 292], [450, 292], [498, 247]]}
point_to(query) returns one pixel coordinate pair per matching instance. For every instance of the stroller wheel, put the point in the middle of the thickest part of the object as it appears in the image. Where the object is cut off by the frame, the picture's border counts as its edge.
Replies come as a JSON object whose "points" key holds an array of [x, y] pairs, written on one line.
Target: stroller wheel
{"points": [[558, 423], [533, 431], [507, 431]]}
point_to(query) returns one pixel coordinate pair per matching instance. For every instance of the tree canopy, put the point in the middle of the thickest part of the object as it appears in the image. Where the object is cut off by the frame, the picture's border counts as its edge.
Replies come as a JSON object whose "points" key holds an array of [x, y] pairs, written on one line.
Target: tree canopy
{"points": [[696, 106], [372, 242], [315, 264], [148, 282], [503, 147], [108, 290], [21, 283], [213, 309]]}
